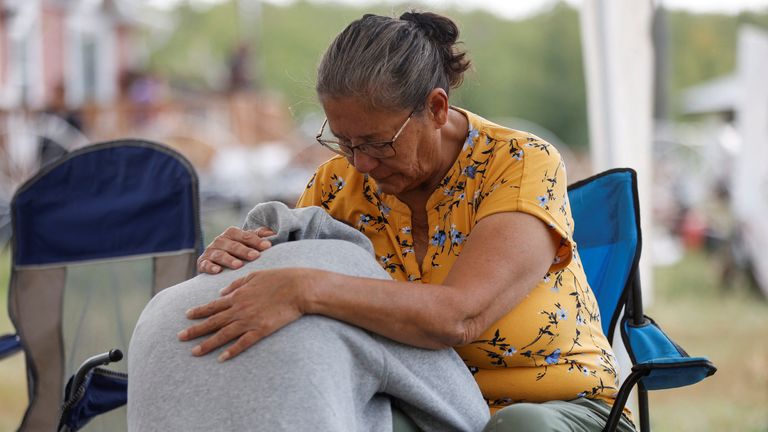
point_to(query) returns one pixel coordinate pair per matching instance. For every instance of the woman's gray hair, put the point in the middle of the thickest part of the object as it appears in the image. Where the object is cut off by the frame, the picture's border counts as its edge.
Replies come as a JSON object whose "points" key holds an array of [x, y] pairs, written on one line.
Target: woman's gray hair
{"points": [[393, 63]]}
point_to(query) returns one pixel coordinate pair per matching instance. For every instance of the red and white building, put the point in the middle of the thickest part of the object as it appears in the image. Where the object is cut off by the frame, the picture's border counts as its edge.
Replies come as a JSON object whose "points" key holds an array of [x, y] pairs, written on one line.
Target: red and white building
{"points": [[78, 46]]}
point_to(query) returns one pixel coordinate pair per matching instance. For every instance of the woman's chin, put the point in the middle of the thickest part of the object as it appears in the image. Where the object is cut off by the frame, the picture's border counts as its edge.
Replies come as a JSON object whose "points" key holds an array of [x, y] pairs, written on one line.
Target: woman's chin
{"points": [[389, 185]]}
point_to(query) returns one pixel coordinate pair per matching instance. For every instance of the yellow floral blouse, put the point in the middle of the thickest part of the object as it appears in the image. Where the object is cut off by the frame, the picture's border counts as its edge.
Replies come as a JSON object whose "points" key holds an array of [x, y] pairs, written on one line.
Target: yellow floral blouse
{"points": [[550, 346]]}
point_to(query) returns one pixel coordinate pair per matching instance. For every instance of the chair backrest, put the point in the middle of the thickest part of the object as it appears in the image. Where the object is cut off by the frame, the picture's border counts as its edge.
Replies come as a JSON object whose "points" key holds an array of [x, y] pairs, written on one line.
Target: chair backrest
{"points": [[607, 233], [95, 235]]}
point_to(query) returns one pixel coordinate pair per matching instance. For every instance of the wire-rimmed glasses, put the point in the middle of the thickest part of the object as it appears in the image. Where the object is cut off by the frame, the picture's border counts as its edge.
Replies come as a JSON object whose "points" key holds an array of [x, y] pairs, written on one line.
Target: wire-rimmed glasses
{"points": [[378, 150]]}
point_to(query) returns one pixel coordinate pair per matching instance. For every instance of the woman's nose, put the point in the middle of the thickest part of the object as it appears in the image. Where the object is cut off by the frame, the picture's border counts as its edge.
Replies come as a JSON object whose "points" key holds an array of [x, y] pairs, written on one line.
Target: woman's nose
{"points": [[362, 162]]}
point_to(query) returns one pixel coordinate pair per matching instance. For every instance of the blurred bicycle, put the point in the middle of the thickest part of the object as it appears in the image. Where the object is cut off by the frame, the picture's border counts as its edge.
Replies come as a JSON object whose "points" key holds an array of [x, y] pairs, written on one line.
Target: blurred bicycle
{"points": [[28, 142]]}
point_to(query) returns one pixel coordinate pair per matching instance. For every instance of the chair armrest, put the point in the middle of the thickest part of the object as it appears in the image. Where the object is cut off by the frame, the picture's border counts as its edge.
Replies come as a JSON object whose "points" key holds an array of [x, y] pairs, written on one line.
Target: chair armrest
{"points": [[9, 344], [658, 363], [93, 391], [665, 363]]}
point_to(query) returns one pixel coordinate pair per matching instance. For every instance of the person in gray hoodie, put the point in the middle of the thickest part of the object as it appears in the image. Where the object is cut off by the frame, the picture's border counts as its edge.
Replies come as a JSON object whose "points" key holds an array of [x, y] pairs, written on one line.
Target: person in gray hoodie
{"points": [[316, 373]]}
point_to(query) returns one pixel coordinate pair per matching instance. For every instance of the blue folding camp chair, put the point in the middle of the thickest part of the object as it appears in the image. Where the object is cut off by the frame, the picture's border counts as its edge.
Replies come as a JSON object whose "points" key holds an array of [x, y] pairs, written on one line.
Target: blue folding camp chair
{"points": [[94, 235], [607, 232]]}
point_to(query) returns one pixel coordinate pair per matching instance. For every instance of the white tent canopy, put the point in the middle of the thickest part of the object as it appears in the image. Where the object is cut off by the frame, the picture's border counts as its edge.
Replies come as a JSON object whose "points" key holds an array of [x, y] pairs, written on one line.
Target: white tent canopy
{"points": [[618, 63], [750, 176]]}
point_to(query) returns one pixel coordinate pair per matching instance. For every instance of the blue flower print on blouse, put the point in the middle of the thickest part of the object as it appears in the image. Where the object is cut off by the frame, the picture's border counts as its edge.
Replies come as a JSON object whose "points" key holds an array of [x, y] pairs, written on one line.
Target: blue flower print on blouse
{"points": [[457, 237], [580, 320], [438, 239], [553, 358], [470, 171], [470, 141]]}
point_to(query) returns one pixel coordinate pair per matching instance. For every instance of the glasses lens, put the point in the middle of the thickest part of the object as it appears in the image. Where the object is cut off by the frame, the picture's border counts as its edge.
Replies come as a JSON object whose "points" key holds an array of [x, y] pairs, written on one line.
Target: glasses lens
{"points": [[335, 147], [381, 150], [378, 151]]}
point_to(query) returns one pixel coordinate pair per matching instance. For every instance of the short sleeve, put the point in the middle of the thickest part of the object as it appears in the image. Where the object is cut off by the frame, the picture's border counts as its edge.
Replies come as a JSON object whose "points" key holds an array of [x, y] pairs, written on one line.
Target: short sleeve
{"points": [[527, 174], [328, 188], [311, 195]]}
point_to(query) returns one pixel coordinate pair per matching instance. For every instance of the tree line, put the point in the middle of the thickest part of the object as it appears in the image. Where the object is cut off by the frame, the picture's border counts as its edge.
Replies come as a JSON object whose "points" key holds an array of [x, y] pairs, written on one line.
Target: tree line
{"points": [[529, 68]]}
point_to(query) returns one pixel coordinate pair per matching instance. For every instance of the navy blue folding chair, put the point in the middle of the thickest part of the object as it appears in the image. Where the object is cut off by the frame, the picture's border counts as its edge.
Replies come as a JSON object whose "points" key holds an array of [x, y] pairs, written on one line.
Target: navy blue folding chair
{"points": [[607, 232], [94, 235]]}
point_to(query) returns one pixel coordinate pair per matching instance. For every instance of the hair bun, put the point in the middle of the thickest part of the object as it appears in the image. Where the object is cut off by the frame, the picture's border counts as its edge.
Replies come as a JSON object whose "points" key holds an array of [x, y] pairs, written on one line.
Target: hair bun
{"points": [[444, 33], [436, 27]]}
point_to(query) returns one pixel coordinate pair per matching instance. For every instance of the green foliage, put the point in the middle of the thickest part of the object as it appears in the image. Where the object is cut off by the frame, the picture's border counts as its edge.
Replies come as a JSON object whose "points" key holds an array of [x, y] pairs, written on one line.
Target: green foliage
{"points": [[703, 46], [729, 325], [529, 68], [700, 48], [196, 52]]}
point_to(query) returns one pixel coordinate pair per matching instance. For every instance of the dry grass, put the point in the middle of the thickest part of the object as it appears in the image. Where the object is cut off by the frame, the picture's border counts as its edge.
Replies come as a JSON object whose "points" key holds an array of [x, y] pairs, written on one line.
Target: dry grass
{"points": [[730, 328]]}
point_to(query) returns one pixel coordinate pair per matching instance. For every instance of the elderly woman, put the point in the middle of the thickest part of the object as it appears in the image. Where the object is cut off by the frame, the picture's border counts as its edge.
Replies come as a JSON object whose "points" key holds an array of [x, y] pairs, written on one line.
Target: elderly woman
{"points": [[469, 218]]}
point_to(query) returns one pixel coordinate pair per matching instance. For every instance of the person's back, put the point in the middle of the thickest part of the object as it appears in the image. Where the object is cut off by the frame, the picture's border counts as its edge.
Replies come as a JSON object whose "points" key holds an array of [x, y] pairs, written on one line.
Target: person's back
{"points": [[299, 377]]}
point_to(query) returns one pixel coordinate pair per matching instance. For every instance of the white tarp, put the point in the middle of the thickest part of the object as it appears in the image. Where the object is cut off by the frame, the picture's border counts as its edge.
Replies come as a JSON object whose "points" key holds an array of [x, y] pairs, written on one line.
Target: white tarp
{"points": [[618, 63], [750, 177]]}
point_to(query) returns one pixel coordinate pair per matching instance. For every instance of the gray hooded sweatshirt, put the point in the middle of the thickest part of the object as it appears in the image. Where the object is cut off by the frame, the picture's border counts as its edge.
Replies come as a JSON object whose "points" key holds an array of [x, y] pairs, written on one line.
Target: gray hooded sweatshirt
{"points": [[315, 374]]}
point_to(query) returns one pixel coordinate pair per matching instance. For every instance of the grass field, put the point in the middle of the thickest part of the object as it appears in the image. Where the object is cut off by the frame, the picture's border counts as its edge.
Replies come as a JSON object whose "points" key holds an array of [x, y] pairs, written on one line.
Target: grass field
{"points": [[731, 328], [728, 326]]}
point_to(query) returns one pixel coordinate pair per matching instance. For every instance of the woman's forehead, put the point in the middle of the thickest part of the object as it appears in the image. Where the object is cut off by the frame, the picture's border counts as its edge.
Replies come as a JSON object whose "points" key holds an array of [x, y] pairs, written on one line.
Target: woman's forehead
{"points": [[352, 118], [346, 104]]}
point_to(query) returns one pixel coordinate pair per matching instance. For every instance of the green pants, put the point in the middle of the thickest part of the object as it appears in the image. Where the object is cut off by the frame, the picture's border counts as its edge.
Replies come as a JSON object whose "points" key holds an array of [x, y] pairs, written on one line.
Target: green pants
{"points": [[579, 415]]}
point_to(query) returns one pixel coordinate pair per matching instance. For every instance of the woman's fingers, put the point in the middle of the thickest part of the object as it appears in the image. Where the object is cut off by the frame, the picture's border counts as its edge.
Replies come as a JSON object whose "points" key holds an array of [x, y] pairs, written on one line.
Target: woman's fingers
{"points": [[208, 309], [254, 307], [232, 331], [237, 283], [221, 337], [206, 266], [247, 340], [253, 238], [206, 327], [232, 247]]}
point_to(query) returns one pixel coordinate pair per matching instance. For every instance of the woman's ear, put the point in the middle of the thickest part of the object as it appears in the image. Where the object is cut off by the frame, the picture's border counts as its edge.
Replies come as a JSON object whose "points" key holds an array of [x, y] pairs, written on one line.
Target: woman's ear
{"points": [[437, 107]]}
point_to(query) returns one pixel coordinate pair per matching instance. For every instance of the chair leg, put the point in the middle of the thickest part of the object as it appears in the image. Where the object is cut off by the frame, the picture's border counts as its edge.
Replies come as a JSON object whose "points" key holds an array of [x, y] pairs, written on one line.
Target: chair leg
{"points": [[621, 400], [642, 404]]}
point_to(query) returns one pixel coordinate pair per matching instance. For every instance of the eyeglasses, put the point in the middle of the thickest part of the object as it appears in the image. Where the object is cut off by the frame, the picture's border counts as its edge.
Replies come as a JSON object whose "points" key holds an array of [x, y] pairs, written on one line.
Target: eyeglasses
{"points": [[377, 150]]}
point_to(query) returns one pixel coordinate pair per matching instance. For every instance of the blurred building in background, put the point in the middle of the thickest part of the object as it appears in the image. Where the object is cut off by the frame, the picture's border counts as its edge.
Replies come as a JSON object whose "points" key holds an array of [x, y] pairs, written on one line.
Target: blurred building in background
{"points": [[57, 57], [715, 163], [74, 72], [80, 46]]}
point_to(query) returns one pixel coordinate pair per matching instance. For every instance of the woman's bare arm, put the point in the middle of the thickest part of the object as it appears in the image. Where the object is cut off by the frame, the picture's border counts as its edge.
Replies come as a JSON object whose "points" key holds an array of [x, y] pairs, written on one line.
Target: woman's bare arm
{"points": [[505, 256]]}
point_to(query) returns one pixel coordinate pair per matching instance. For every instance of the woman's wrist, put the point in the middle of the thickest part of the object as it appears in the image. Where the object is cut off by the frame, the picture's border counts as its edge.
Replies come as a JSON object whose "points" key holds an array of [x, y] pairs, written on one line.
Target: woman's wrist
{"points": [[311, 286]]}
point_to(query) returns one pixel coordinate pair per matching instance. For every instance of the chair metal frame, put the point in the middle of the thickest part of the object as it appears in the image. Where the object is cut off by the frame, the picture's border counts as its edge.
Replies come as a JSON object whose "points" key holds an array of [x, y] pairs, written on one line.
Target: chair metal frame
{"points": [[645, 358], [93, 195]]}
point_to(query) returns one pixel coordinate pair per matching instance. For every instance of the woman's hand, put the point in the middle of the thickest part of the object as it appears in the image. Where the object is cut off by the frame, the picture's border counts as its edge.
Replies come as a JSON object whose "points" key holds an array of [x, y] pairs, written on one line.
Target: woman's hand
{"points": [[231, 247], [250, 309]]}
